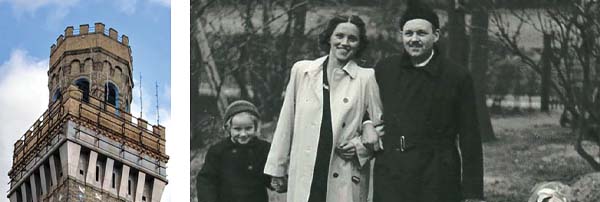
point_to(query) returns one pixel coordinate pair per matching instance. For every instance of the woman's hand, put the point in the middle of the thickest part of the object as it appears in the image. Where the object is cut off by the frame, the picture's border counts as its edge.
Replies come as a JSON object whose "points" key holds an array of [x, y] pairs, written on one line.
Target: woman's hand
{"points": [[346, 151], [279, 184]]}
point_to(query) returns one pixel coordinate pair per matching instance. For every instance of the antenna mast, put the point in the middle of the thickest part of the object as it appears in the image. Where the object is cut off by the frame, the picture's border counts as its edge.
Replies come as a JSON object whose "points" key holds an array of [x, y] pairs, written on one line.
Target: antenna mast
{"points": [[157, 109], [106, 88], [141, 102]]}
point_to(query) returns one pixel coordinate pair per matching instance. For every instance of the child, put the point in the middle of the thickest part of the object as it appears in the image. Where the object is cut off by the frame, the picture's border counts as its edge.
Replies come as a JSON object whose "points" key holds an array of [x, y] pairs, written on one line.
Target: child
{"points": [[233, 169]]}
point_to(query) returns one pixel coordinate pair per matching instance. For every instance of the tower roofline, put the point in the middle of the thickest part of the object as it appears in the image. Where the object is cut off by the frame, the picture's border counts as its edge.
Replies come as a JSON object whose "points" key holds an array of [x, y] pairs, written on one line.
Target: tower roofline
{"points": [[78, 39]]}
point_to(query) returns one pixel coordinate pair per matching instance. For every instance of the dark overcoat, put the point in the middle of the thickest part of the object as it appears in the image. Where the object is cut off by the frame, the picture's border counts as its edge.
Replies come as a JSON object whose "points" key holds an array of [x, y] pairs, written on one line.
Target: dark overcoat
{"points": [[432, 144], [234, 173]]}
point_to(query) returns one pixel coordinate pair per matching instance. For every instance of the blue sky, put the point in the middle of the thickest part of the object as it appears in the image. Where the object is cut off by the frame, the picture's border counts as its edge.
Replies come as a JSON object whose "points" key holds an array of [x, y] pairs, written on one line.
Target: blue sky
{"points": [[30, 27]]}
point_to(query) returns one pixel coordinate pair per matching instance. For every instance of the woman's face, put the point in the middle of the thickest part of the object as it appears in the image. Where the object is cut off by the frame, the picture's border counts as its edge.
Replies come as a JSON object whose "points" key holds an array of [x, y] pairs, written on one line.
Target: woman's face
{"points": [[344, 42]]}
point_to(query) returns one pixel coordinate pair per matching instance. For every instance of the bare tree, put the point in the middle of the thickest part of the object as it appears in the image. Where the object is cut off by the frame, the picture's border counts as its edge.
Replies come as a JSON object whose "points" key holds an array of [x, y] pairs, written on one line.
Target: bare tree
{"points": [[574, 26]]}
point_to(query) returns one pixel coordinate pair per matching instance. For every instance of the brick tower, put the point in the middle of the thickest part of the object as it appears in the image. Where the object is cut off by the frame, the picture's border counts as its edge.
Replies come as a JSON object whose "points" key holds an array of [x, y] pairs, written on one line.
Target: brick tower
{"points": [[87, 146]]}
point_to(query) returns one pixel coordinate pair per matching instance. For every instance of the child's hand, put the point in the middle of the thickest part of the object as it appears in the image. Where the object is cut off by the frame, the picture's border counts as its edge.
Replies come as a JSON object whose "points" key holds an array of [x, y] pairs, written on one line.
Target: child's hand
{"points": [[279, 184]]}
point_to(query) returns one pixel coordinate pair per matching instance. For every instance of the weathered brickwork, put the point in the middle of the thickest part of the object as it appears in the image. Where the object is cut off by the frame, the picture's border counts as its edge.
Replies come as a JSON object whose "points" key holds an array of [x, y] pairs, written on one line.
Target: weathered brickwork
{"points": [[87, 146]]}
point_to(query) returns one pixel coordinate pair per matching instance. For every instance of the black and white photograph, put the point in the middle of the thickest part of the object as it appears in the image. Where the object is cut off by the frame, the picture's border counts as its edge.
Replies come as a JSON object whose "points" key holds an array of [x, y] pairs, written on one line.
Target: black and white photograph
{"points": [[394, 100]]}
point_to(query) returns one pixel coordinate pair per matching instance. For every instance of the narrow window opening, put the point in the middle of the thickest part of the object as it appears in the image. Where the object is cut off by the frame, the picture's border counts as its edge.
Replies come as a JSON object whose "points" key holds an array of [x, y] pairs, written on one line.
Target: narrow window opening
{"points": [[57, 95], [97, 173], [129, 187], [113, 180], [84, 86], [112, 94]]}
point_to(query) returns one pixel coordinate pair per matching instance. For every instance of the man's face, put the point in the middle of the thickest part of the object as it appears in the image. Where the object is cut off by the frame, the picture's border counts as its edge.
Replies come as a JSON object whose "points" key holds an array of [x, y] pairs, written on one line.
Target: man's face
{"points": [[418, 38]]}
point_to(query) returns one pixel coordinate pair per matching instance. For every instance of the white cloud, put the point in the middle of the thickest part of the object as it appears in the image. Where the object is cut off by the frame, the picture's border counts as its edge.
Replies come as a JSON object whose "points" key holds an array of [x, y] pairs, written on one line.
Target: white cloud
{"points": [[23, 83], [61, 7], [129, 7], [126, 6], [166, 3]]}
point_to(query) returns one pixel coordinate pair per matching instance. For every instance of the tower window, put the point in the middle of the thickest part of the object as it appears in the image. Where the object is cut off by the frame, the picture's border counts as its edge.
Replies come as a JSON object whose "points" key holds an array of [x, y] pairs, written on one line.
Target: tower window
{"points": [[57, 95], [112, 94], [97, 173], [129, 187], [84, 87]]}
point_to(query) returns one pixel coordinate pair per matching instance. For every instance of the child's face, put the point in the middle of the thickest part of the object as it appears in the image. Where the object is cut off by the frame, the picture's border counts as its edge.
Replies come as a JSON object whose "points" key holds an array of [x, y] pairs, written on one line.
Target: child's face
{"points": [[242, 128]]}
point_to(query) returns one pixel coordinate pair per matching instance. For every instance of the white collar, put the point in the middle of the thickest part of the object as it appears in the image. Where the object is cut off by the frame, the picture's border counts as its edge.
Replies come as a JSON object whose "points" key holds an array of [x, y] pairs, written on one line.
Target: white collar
{"points": [[422, 64]]}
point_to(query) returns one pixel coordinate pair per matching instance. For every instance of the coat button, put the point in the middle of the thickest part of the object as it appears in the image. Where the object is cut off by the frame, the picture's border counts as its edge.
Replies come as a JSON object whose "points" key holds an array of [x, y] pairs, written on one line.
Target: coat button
{"points": [[343, 124], [335, 174], [234, 151], [345, 100], [250, 168]]}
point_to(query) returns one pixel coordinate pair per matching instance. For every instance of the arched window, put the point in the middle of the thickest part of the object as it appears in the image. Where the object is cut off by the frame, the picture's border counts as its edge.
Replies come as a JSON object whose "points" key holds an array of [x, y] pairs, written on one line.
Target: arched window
{"points": [[75, 66], [112, 95], [57, 95], [84, 86], [87, 65]]}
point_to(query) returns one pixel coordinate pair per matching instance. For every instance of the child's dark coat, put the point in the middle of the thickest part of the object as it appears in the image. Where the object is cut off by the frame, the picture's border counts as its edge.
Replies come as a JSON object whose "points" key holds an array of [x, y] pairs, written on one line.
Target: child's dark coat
{"points": [[234, 172]]}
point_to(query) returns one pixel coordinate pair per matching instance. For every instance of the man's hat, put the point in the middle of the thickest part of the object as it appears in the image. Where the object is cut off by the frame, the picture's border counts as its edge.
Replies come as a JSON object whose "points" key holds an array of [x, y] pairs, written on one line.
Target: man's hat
{"points": [[240, 106], [418, 10]]}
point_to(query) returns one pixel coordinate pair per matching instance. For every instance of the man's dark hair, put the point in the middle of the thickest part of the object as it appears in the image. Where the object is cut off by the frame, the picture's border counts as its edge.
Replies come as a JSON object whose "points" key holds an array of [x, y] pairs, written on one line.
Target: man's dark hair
{"points": [[338, 19], [419, 10]]}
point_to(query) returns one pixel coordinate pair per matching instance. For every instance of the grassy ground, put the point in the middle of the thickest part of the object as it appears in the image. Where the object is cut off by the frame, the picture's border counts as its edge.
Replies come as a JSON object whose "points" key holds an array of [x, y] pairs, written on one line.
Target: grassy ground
{"points": [[530, 149]]}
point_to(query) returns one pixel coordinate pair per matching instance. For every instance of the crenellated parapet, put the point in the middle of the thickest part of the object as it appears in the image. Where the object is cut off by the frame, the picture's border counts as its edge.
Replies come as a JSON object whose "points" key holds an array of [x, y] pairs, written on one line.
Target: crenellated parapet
{"points": [[76, 39], [141, 138], [96, 55]]}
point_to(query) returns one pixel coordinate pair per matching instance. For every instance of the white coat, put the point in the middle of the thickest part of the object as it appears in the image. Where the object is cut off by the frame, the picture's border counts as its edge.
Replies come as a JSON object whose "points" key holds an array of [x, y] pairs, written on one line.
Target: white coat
{"points": [[353, 92]]}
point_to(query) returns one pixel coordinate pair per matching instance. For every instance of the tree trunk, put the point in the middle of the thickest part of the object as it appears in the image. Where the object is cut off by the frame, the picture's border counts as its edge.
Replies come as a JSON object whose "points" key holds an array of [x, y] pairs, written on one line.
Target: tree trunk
{"points": [[581, 133], [457, 49], [214, 79], [266, 15], [478, 64], [546, 72], [299, 19]]}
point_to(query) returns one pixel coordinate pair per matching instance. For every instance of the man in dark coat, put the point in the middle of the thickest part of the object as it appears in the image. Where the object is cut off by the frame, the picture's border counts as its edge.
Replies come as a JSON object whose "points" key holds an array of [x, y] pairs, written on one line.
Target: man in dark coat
{"points": [[432, 146]]}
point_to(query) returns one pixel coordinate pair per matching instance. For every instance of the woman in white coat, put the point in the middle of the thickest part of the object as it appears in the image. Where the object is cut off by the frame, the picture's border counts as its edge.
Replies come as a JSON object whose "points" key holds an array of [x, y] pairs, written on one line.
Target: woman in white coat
{"points": [[317, 151]]}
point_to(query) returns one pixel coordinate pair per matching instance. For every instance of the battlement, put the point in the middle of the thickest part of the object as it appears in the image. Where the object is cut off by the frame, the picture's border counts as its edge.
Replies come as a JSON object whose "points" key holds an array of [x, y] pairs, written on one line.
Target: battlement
{"points": [[86, 37], [116, 125]]}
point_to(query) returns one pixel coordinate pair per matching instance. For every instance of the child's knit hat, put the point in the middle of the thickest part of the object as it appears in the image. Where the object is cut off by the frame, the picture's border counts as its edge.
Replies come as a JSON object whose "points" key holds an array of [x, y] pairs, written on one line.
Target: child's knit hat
{"points": [[240, 106]]}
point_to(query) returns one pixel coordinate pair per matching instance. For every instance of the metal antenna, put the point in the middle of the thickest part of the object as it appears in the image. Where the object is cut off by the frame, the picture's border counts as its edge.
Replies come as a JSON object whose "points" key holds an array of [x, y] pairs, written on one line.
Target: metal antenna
{"points": [[106, 89], [157, 109], [141, 102]]}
